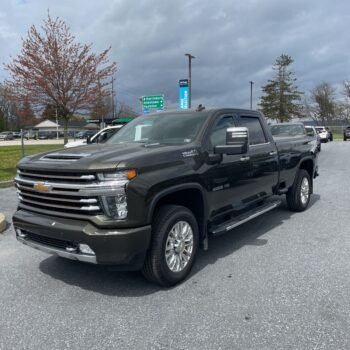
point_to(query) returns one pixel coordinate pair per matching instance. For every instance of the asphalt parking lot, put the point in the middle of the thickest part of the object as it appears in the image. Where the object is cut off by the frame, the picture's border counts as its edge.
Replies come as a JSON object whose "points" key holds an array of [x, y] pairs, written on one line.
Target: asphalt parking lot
{"points": [[281, 281]]}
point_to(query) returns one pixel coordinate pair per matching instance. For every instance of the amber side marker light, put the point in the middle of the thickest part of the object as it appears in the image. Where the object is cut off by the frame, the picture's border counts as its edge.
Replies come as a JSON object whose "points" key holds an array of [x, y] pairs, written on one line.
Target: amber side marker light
{"points": [[131, 173]]}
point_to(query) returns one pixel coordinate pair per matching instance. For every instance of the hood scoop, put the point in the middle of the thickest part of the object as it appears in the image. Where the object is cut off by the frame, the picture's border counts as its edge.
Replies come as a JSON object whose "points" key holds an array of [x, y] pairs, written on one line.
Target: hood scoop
{"points": [[64, 157]]}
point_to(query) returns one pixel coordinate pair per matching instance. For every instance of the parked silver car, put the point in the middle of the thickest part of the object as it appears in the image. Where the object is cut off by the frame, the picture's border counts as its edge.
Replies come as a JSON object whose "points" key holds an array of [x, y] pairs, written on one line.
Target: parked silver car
{"points": [[6, 135]]}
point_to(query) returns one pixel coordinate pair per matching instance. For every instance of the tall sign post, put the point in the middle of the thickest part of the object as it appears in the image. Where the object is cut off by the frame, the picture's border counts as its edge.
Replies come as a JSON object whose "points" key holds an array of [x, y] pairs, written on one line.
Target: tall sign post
{"points": [[190, 58], [153, 102], [183, 94]]}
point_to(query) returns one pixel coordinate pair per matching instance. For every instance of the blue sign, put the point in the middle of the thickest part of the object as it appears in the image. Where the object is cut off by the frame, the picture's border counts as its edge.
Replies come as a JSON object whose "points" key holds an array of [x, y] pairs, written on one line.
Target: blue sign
{"points": [[183, 103]]}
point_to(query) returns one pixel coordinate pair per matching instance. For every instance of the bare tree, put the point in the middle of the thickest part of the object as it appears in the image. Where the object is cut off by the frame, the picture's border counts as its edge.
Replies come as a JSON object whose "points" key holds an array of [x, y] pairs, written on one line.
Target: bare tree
{"points": [[346, 84], [53, 68], [323, 95], [102, 107], [125, 111], [7, 109]]}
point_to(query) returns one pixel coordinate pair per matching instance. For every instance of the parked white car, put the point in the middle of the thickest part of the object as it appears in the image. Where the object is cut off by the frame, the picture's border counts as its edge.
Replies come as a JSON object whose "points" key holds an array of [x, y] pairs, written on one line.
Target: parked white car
{"points": [[323, 133], [101, 137]]}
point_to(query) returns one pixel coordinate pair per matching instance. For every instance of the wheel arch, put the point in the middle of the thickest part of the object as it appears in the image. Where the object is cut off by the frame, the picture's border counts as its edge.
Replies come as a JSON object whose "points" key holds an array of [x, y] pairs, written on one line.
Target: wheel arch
{"points": [[189, 195], [309, 166]]}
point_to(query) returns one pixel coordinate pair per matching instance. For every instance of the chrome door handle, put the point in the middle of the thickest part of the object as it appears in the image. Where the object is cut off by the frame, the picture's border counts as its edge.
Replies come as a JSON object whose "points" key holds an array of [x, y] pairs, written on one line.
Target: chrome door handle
{"points": [[244, 159], [272, 153]]}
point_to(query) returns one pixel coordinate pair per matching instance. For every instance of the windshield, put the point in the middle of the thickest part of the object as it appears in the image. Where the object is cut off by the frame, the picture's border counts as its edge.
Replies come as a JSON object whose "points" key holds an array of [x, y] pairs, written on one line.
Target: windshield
{"points": [[169, 129], [320, 130], [287, 130]]}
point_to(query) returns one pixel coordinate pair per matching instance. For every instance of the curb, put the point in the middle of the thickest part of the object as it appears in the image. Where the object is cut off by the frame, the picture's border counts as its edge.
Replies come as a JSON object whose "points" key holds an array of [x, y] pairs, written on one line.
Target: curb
{"points": [[3, 223], [4, 184]]}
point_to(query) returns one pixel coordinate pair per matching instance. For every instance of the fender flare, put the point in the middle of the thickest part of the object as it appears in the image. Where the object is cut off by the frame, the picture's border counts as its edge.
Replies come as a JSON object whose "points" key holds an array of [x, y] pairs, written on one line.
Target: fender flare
{"points": [[176, 188]]}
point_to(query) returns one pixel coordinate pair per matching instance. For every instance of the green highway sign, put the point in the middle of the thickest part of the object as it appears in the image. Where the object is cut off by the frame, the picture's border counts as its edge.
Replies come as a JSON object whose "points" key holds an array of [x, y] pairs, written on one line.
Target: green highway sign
{"points": [[152, 102]]}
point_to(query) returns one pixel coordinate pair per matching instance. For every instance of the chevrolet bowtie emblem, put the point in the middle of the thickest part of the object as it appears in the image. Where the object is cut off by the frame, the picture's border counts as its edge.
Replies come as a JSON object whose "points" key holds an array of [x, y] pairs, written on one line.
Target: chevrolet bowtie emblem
{"points": [[41, 187]]}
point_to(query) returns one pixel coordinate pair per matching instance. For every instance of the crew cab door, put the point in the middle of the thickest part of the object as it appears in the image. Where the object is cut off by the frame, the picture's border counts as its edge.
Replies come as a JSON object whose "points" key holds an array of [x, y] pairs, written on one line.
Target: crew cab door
{"points": [[263, 156], [227, 181]]}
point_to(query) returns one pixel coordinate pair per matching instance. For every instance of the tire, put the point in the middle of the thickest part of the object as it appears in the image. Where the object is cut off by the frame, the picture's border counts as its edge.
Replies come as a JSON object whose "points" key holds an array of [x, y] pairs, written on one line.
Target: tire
{"points": [[298, 196], [158, 266], [319, 148]]}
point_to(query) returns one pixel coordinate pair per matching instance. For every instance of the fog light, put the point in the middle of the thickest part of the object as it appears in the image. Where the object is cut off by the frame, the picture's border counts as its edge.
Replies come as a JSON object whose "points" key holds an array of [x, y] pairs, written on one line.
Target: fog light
{"points": [[20, 234], [85, 249]]}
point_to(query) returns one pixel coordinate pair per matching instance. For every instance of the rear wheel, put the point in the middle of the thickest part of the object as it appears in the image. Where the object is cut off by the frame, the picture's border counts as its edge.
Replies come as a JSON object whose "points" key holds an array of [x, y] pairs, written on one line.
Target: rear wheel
{"points": [[298, 196], [174, 245]]}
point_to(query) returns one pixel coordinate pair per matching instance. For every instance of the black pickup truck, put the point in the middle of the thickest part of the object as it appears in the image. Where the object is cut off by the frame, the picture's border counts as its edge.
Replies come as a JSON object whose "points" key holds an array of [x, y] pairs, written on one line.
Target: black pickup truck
{"points": [[149, 198]]}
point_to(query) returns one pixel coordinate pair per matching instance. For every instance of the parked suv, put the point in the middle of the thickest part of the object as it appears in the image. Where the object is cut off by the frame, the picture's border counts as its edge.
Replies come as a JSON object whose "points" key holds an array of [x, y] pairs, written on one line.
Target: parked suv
{"points": [[85, 134], [323, 133], [347, 133], [6, 135], [101, 137], [330, 134]]}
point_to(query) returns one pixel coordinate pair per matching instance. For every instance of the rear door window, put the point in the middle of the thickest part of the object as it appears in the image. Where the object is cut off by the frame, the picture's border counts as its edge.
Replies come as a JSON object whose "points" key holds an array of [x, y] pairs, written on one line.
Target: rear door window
{"points": [[256, 133]]}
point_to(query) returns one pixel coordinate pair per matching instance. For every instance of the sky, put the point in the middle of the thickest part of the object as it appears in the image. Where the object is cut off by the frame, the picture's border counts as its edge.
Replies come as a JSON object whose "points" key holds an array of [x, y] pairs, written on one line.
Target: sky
{"points": [[233, 42]]}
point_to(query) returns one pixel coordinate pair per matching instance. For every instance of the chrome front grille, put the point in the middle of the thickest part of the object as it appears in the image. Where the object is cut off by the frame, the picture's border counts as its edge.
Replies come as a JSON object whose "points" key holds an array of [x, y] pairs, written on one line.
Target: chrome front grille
{"points": [[59, 192]]}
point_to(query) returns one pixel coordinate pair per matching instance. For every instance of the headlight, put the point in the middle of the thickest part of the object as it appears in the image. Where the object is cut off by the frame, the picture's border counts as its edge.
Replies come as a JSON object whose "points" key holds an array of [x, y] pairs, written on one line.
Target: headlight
{"points": [[116, 206], [115, 203], [118, 175]]}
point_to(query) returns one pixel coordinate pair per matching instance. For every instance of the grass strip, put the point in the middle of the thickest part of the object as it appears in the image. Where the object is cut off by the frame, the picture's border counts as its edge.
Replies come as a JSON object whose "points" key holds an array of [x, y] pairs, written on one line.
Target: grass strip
{"points": [[11, 155]]}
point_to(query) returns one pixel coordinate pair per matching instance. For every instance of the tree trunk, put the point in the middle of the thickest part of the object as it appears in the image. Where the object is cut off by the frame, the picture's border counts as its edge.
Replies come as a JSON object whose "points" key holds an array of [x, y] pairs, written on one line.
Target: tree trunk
{"points": [[65, 129]]}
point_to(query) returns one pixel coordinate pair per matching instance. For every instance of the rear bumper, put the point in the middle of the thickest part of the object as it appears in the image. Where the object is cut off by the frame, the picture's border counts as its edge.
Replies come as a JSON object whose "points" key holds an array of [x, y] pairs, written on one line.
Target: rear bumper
{"points": [[125, 247]]}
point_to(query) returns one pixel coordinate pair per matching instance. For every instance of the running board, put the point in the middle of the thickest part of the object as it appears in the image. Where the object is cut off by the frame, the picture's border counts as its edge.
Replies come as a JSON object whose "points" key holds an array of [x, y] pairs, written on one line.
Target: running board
{"points": [[251, 214]]}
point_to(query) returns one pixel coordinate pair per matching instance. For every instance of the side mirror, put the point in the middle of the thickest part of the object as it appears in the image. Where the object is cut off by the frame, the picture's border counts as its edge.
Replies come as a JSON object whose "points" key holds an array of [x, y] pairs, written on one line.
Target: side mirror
{"points": [[88, 139], [237, 141], [310, 133]]}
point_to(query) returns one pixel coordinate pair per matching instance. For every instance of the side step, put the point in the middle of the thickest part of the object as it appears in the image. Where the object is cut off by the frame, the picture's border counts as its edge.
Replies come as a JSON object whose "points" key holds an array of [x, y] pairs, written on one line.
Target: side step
{"points": [[251, 214]]}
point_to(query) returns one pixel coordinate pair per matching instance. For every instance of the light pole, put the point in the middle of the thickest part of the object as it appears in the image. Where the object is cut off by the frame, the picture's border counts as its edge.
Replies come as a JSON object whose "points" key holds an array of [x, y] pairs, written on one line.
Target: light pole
{"points": [[56, 124], [190, 57], [113, 109], [251, 94]]}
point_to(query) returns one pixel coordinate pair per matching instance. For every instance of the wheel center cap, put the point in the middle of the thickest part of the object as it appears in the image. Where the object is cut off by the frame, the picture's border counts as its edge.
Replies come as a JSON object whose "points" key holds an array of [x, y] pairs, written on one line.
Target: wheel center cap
{"points": [[180, 248]]}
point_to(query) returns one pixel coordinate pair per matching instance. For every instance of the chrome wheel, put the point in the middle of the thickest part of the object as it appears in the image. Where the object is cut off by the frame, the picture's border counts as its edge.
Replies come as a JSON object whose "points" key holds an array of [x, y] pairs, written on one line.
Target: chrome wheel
{"points": [[179, 246], [305, 191]]}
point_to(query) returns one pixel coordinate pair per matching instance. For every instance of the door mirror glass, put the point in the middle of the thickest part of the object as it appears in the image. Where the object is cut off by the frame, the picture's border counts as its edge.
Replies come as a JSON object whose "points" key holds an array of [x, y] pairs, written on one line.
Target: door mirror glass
{"points": [[236, 141]]}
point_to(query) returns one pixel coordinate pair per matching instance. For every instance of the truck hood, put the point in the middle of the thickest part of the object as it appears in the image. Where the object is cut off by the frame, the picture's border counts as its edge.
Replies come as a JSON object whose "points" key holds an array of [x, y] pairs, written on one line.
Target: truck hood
{"points": [[107, 157]]}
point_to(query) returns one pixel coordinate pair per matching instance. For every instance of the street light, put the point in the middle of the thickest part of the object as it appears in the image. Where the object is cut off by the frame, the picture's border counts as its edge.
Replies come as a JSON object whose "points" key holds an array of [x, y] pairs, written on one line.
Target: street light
{"points": [[189, 78]]}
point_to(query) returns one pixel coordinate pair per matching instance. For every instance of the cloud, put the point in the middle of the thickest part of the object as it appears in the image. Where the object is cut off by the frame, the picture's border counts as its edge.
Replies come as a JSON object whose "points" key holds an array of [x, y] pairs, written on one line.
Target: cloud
{"points": [[234, 42]]}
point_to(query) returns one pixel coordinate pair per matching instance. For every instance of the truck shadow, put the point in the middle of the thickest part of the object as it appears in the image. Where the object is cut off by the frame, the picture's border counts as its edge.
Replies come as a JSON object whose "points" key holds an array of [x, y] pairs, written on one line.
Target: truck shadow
{"points": [[247, 234], [99, 279]]}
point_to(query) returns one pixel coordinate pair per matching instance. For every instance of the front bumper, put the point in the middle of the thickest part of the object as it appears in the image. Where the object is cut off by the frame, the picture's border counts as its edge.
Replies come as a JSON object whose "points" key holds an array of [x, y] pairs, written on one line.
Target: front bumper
{"points": [[125, 247]]}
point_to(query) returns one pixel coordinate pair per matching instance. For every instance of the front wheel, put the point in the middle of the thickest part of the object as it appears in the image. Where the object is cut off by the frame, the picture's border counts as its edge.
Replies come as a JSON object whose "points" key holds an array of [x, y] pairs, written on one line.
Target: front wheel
{"points": [[298, 196], [174, 245]]}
